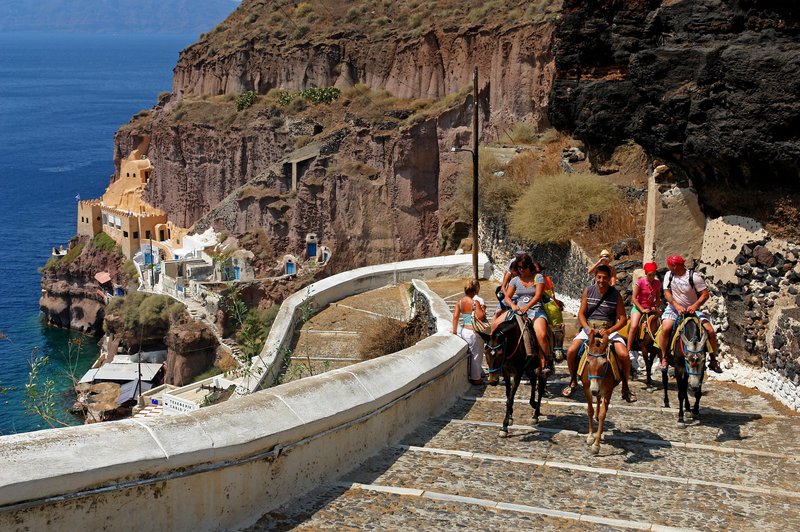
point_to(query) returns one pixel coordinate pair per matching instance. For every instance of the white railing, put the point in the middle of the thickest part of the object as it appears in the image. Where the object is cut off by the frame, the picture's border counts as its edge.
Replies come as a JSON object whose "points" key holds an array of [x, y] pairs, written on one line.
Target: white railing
{"points": [[266, 367]]}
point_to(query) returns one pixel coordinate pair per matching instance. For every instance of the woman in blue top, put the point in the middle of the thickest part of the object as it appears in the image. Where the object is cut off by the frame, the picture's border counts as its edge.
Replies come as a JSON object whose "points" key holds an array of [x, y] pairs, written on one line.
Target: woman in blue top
{"points": [[524, 296]]}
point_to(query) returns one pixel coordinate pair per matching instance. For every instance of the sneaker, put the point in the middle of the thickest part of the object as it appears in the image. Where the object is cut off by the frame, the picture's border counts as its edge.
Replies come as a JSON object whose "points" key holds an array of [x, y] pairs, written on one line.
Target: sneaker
{"points": [[714, 366]]}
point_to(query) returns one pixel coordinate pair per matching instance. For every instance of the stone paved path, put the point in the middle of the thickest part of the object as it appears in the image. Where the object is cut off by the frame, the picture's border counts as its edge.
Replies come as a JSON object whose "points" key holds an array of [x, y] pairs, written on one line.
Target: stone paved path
{"points": [[735, 468]]}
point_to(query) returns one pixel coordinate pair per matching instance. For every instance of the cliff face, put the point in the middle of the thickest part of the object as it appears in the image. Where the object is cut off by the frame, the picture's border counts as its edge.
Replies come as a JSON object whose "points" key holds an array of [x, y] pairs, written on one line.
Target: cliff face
{"points": [[71, 297], [374, 192], [431, 66], [710, 86]]}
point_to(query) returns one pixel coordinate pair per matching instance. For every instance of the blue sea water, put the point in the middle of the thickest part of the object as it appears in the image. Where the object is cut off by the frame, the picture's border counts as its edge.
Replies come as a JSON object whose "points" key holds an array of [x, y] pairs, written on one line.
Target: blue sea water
{"points": [[62, 97]]}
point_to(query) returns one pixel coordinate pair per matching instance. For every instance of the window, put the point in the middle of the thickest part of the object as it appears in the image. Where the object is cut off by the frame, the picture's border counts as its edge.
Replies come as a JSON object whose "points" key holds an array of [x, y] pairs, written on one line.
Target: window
{"points": [[136, 235], [147, 235], [125, 234], [127, 174], [105, 219]]}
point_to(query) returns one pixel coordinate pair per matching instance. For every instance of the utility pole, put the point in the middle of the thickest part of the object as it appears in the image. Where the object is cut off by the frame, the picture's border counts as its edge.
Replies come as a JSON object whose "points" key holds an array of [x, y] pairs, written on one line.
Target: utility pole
{"points": [[475, 174]]}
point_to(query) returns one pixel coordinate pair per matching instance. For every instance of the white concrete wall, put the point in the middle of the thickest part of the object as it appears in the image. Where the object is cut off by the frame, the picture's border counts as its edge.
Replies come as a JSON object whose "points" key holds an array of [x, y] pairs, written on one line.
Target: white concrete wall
{"points": [[267, 366], [226, 465]]}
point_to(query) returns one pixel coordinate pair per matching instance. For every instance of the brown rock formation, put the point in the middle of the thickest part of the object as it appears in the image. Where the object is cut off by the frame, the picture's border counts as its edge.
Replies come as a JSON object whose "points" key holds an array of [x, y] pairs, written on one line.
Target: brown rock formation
{"points": [[191, 350], [71, 297], [514, 54], [201, 158]]}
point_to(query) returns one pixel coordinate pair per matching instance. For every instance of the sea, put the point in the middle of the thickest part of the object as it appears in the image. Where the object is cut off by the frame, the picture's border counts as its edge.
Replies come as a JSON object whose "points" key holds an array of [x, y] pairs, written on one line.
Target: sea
{"points": [[62, 97]]}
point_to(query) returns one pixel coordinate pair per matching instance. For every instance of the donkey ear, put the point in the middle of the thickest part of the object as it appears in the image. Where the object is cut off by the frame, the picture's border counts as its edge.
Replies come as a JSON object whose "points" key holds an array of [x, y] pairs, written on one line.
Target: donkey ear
{"points": [[704, 337], [483, 335], [605, 341]]}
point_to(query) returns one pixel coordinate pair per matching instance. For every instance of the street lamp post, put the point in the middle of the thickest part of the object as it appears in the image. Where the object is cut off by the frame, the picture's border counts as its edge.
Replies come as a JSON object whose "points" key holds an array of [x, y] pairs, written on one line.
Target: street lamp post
{"points": [[474, 152]]}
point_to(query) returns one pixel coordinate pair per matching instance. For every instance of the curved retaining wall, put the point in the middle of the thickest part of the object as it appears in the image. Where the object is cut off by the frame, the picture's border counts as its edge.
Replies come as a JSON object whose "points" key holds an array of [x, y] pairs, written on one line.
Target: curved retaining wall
{"points": [[267, 366], [224, 466]]}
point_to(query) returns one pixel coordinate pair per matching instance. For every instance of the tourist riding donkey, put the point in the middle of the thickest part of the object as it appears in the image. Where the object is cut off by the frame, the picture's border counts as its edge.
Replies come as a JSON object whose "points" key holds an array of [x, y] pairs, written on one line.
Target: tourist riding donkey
{"points": [[599, 375], [603, 312], [645, 319], [515, 330]]}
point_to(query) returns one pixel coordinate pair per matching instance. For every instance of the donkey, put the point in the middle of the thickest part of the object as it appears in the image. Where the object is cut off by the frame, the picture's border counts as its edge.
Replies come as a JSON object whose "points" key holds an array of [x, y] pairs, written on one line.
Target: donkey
{"points": [[599, 382], [647, 344], [505, 352], [689, 361]]}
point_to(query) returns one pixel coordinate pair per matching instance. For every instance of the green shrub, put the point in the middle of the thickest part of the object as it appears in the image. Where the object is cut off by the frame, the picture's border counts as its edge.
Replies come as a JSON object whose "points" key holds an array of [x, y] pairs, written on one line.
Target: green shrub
{"points": [[103, 242], [129, 269], [321, 95], [245, 100], [555, 207], [140, 309]]}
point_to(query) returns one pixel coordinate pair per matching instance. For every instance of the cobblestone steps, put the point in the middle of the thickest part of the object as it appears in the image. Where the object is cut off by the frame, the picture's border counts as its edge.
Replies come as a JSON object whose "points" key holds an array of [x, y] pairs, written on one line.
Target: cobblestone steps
{"points": [[737, 467]]}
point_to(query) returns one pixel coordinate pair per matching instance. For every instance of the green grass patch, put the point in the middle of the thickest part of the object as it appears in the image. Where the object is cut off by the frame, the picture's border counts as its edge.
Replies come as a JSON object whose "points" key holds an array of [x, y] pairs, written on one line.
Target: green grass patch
{"points": [[103, 242], [145, 310], [72, 254], [212, 372]]}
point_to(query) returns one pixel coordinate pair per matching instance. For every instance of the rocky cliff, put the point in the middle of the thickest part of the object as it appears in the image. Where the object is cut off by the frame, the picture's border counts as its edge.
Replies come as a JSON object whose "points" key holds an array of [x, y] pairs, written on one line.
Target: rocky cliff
{"points": [[71, 296], [709, 86], [203, 150], [408, 49]]}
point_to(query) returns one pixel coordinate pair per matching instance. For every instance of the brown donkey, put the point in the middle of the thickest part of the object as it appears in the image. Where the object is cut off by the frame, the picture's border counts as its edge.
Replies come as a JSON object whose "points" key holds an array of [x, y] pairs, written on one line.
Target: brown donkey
{"points": [[599, 376]]}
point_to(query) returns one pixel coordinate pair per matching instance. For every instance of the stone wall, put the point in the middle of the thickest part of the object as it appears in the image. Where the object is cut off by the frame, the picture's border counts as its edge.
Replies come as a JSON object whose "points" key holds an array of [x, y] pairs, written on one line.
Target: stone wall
{"points": [[566, 264], [755, 311]]}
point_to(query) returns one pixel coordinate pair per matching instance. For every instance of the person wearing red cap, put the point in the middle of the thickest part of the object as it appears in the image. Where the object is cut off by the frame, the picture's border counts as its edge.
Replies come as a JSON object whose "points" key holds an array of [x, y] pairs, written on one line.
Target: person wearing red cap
{"points": [[685, 292], [646, 300]]}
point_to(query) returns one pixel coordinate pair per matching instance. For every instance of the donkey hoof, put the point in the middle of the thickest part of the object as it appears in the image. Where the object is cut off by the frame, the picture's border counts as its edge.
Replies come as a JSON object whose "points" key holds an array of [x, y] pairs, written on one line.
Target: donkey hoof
{"points": [[590, 439], [503, 434], [681, 424], [535, 420], [595, 449]]}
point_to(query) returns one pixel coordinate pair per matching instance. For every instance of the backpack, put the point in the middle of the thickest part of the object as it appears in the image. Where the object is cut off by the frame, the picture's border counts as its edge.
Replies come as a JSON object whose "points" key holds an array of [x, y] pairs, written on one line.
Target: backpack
{"points": [[691, 282]]}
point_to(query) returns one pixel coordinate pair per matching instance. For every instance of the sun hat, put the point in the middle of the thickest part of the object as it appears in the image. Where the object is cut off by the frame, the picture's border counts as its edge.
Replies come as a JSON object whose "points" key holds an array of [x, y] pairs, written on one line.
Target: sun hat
{"points": [[605, 253], [675, 260], [650, 267]]}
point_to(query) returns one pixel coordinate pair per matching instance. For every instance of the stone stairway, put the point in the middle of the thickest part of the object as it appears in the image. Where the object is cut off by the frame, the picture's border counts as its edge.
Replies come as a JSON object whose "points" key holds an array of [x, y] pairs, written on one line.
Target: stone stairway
{"points": [[734, 468], [330, 339]]}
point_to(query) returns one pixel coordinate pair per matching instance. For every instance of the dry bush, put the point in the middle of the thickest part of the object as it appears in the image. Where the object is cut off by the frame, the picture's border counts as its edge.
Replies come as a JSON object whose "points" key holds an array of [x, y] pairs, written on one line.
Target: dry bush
{"points": [[521, 133], [496, 193], [554, 208], [623, 220], [389, 336]]}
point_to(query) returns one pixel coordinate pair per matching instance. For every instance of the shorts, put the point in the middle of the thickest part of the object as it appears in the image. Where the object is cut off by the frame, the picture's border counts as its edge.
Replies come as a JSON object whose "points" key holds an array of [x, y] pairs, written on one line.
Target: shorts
{"points": [[536, 313], [671, 314], [613, 337]]}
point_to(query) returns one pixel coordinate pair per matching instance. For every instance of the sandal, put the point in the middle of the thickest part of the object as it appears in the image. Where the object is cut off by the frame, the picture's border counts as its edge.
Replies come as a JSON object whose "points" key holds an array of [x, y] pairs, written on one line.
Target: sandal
{"points": [[568, 390], [629, 396]]}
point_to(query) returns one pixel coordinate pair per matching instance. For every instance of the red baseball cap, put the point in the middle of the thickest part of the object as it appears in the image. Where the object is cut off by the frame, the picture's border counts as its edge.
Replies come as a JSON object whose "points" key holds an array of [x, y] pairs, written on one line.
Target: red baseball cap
{"points": [[675, 260], [650, 267]]}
